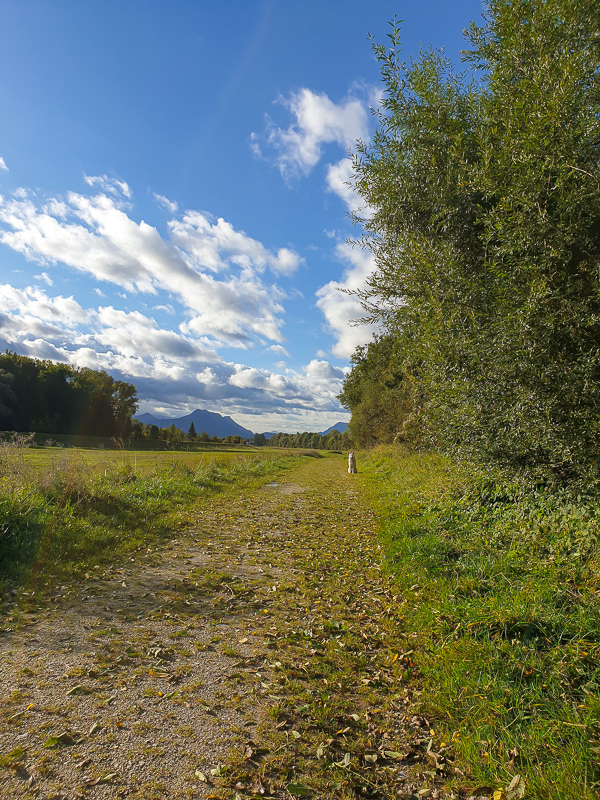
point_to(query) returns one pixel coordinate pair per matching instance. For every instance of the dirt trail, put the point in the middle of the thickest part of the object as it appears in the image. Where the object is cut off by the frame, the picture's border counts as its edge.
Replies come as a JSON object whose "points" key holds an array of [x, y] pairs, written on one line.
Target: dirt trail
{"points": [[260, 654]]}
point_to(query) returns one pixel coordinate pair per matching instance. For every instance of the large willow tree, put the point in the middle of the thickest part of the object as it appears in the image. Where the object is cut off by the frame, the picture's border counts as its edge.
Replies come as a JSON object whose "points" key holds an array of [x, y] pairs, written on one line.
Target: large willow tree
{"points": [[485, 191]]}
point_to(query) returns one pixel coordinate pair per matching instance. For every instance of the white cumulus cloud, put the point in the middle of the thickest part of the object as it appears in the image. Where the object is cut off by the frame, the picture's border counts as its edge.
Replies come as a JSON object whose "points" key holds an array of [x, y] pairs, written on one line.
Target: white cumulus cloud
{"points": [[279, 349], [213, 269], [318, 121], [214, 243], [340, 181]]}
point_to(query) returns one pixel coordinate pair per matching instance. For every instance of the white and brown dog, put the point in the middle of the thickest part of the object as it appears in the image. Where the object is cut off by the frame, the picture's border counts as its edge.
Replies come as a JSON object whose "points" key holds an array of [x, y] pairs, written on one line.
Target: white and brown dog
{"points": [[352, 462]]}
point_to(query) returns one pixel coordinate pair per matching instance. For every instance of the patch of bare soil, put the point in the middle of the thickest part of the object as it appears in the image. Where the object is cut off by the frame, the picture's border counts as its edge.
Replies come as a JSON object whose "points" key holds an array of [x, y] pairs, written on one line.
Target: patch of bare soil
{"points": [[257, 655]]}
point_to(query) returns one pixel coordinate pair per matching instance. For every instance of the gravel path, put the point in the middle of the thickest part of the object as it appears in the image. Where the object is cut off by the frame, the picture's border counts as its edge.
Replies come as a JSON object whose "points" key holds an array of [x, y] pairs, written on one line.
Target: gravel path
{"points": [[182, 674]]}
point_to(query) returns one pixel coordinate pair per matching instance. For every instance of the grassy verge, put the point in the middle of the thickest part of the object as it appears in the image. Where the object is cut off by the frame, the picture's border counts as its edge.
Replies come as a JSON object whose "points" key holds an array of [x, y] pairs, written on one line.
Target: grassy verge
{"points": [[500, 582], [70, 513]]}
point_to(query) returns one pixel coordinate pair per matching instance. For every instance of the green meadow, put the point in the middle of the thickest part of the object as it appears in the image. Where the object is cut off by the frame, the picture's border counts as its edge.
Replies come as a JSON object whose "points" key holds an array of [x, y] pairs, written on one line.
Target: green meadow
{"points": [[65, 510], [136, 461]]}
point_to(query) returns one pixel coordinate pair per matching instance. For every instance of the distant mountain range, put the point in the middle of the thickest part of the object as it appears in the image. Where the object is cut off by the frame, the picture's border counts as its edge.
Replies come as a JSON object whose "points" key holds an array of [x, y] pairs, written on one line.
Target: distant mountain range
{"points": [[216, 425], [339, 426]]}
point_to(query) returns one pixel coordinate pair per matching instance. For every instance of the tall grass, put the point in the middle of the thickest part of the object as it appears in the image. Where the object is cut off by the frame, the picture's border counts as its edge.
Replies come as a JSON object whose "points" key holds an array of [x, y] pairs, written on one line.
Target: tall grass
{"points": [[500, 584], [68, 514]]}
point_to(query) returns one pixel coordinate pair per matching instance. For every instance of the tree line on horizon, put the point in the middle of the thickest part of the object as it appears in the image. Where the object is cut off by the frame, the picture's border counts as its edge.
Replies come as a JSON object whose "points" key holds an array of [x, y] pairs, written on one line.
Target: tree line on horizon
{"points": [[54, 398], [334, 440], [41, 396], [484, 222], [176, 436]]}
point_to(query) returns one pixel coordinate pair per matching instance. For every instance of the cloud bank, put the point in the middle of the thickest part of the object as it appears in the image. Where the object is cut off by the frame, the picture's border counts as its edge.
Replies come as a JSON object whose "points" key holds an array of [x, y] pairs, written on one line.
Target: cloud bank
{"points": [[173, 371], [210, 285], [207, 279], [342, 310], [215, 271]]}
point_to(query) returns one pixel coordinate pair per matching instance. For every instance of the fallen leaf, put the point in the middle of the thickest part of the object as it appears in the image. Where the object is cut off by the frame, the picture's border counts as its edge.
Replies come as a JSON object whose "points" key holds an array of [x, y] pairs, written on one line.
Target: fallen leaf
{"points": [[299, 789], [61, 739], [516, 789], [345, 762], [394, 754], [79, 690]]}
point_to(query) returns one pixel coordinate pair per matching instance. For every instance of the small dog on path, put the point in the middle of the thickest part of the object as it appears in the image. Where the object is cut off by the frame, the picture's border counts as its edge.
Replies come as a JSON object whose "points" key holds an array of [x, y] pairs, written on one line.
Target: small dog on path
{"points": [[352, 462]]}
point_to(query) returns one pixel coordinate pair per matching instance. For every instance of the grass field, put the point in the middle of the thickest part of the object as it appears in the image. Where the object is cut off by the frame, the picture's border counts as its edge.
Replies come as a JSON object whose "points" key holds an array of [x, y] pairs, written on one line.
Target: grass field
{"points": [[62, 511], [500, 584], [139, 461]]}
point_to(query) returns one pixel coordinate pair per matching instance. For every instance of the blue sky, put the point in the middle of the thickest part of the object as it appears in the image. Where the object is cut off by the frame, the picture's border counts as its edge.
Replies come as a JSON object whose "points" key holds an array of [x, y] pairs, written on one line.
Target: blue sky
{"points": [[174, 198]]}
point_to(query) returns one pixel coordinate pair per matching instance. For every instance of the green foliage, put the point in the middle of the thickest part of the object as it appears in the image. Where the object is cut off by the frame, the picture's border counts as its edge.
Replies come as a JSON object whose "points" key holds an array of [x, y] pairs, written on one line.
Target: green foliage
{"points": [[382, 394], [499, 581], [308, 440], [58, 399], [8, 398], [486, 233]]}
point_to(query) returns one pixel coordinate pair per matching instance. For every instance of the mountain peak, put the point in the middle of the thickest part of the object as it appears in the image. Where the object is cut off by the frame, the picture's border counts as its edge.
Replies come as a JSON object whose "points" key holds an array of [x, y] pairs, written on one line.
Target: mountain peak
{"points": [[209, 421]]}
